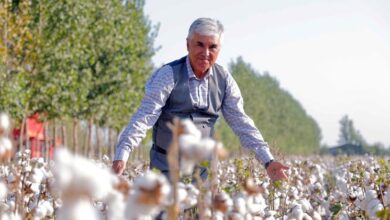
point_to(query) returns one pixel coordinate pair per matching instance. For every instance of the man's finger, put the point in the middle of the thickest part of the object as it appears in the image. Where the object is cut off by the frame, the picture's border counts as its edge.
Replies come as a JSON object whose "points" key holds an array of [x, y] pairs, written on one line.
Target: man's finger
{"points": [[285, 167]]}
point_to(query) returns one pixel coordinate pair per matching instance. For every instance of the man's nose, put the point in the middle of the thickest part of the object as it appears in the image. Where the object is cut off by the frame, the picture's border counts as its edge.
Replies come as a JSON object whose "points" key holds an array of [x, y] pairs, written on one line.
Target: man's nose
{"points": [[206, 52]]}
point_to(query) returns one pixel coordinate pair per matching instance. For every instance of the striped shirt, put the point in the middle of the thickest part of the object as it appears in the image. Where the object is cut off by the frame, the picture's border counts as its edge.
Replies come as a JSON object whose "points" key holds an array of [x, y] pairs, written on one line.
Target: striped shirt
{"points": [[157, 91]]}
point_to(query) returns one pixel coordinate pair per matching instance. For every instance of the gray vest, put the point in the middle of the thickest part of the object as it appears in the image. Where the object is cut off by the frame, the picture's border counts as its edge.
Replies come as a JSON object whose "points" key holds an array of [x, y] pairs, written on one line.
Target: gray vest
{"points": [[179, 104]]}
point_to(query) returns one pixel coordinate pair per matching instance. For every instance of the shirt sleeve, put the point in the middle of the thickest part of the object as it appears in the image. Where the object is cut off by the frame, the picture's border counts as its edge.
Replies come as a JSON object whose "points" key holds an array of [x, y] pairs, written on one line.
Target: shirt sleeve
{"points": [[157, 90], [241, 124]]}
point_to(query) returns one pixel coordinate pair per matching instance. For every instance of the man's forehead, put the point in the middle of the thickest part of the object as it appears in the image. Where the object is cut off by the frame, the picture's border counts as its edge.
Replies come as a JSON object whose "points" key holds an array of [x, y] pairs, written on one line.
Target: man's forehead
{"points": [[205, 38]]}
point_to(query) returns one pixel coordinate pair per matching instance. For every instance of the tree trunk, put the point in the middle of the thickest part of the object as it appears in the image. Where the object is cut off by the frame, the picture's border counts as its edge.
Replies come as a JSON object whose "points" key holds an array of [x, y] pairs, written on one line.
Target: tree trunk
{"points": [[89, 136], [98, 147], [74, 136], [26, 138], [54, 140], [47, 143], [110, 145], [21, 135], [63, 134]]}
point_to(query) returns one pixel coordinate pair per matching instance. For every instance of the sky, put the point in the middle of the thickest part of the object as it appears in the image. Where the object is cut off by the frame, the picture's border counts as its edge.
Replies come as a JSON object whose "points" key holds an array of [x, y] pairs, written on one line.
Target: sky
{"points": [[333, 56]]}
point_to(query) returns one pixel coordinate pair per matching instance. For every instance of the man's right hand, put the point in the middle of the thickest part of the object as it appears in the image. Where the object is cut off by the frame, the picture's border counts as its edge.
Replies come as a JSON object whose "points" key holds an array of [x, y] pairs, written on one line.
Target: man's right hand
{"points": [[118, 166]]}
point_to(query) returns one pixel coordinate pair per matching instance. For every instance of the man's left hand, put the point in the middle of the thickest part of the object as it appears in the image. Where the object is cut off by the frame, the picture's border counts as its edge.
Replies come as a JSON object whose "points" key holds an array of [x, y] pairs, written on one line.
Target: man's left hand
{"points": [[275, 171]]}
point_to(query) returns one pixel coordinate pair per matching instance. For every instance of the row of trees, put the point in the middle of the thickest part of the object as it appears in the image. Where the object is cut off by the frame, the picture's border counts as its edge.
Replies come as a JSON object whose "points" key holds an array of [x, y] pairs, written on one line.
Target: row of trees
{"points": [[349, 135], [74, 60], [87, 61], [281, 119]]}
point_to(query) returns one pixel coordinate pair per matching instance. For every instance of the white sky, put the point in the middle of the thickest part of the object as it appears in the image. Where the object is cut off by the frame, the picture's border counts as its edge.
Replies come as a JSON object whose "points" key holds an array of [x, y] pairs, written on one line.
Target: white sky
{"points": [[333, 56]]}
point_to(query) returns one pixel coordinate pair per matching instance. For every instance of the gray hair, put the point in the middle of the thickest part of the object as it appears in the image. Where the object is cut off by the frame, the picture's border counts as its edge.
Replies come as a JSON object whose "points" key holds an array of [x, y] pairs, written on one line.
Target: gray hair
{"points": [[206, 26]]}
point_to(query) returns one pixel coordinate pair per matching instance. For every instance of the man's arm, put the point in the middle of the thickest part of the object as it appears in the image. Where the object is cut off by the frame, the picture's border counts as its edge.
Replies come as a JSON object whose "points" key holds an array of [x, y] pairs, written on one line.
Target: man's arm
{"points": [[244, 127], [157, 91]]}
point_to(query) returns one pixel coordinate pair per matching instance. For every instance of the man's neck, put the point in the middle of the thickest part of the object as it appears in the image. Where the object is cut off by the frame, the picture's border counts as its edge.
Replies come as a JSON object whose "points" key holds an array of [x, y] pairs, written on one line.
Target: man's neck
{"points": [[201, 75]]}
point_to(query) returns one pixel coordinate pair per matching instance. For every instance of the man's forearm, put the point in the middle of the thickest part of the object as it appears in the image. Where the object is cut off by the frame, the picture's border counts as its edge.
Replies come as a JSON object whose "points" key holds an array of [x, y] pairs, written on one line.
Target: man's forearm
{"points": [[263, 154]]}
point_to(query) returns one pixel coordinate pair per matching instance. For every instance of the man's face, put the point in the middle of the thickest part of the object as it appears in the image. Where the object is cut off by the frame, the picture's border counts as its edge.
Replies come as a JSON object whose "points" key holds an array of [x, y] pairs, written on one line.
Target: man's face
{"points": [[203, 52]]}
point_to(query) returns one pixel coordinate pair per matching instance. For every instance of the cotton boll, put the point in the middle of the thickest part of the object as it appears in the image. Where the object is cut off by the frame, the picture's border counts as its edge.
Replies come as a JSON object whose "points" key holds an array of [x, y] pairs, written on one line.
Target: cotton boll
{"points": [[3, 191], [10, 216], [236, 216], [187, 166], [150, 191], [4, 122], [306, 216], [191, 199], [218, 215], [296, 212], [276, 203], [77, 210], [221, 202], [79, 176], [149, 181], [190, 128], [255, 208], [44, 209], [207, 213], [306, 206], [386, 199], [370, 195], [35, 187], [269, 215], [181, 193], [106, 159], [115, 206], [186, 143], [316, 215], [38, 175], [373, 206], [342, 185], [202, 149], [239, 205], [137, 210], [5, 149]]}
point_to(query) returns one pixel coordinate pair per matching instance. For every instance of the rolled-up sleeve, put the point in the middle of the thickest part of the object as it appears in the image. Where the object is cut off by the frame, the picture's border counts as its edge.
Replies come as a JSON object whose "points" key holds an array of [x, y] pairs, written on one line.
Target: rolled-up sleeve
{"points": [[241, 124], [157, 91]]}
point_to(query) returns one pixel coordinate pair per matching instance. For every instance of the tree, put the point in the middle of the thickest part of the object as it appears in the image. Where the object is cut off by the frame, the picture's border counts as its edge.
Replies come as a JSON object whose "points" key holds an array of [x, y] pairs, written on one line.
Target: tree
{"points": [[348, 133], [281, 119]]}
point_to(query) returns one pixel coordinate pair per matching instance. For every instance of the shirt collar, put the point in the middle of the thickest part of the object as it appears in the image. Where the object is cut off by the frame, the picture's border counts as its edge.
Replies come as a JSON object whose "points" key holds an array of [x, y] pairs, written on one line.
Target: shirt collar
{"points": [[191, 73]]}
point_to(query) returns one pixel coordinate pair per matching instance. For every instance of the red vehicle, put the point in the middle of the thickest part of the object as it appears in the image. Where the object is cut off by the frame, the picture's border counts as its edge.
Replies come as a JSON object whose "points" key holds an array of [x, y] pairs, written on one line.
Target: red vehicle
{"points": [[35, 135]]}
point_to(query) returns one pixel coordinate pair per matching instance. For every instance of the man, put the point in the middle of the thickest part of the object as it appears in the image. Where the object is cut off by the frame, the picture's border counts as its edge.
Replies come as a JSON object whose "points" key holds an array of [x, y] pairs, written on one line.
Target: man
{"points": [[193, 87]]}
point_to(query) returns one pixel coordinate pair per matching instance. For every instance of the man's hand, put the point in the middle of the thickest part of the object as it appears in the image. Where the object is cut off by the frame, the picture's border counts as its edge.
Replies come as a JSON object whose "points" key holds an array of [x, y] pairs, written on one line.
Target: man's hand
{"points": [[275, 171], [118, 166]]}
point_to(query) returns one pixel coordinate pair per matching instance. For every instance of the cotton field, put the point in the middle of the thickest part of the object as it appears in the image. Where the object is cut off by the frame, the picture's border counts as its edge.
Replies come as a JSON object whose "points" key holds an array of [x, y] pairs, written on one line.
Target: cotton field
{"points": [[73, 187]]}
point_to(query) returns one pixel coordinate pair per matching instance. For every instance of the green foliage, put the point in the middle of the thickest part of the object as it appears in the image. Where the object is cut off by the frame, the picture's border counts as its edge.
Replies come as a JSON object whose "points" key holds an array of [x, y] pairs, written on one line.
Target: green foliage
{"points": [[384, 214], [335, 208], [281, 119], [18, 57], [88, 59], [348, 133]]}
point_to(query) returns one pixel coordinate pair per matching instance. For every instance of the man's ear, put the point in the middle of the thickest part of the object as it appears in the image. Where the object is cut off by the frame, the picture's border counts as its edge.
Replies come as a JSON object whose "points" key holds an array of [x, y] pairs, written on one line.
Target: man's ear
{"points": [[187, 43]]}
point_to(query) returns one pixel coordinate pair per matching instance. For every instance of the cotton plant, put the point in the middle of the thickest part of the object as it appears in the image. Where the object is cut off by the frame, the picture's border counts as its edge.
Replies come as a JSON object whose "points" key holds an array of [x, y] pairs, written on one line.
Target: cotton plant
{"points": [[5, 123], [78, 209], [77, 176], [79, 182], [149, 196], [6, 149], [188, 196], [195, 149]]}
